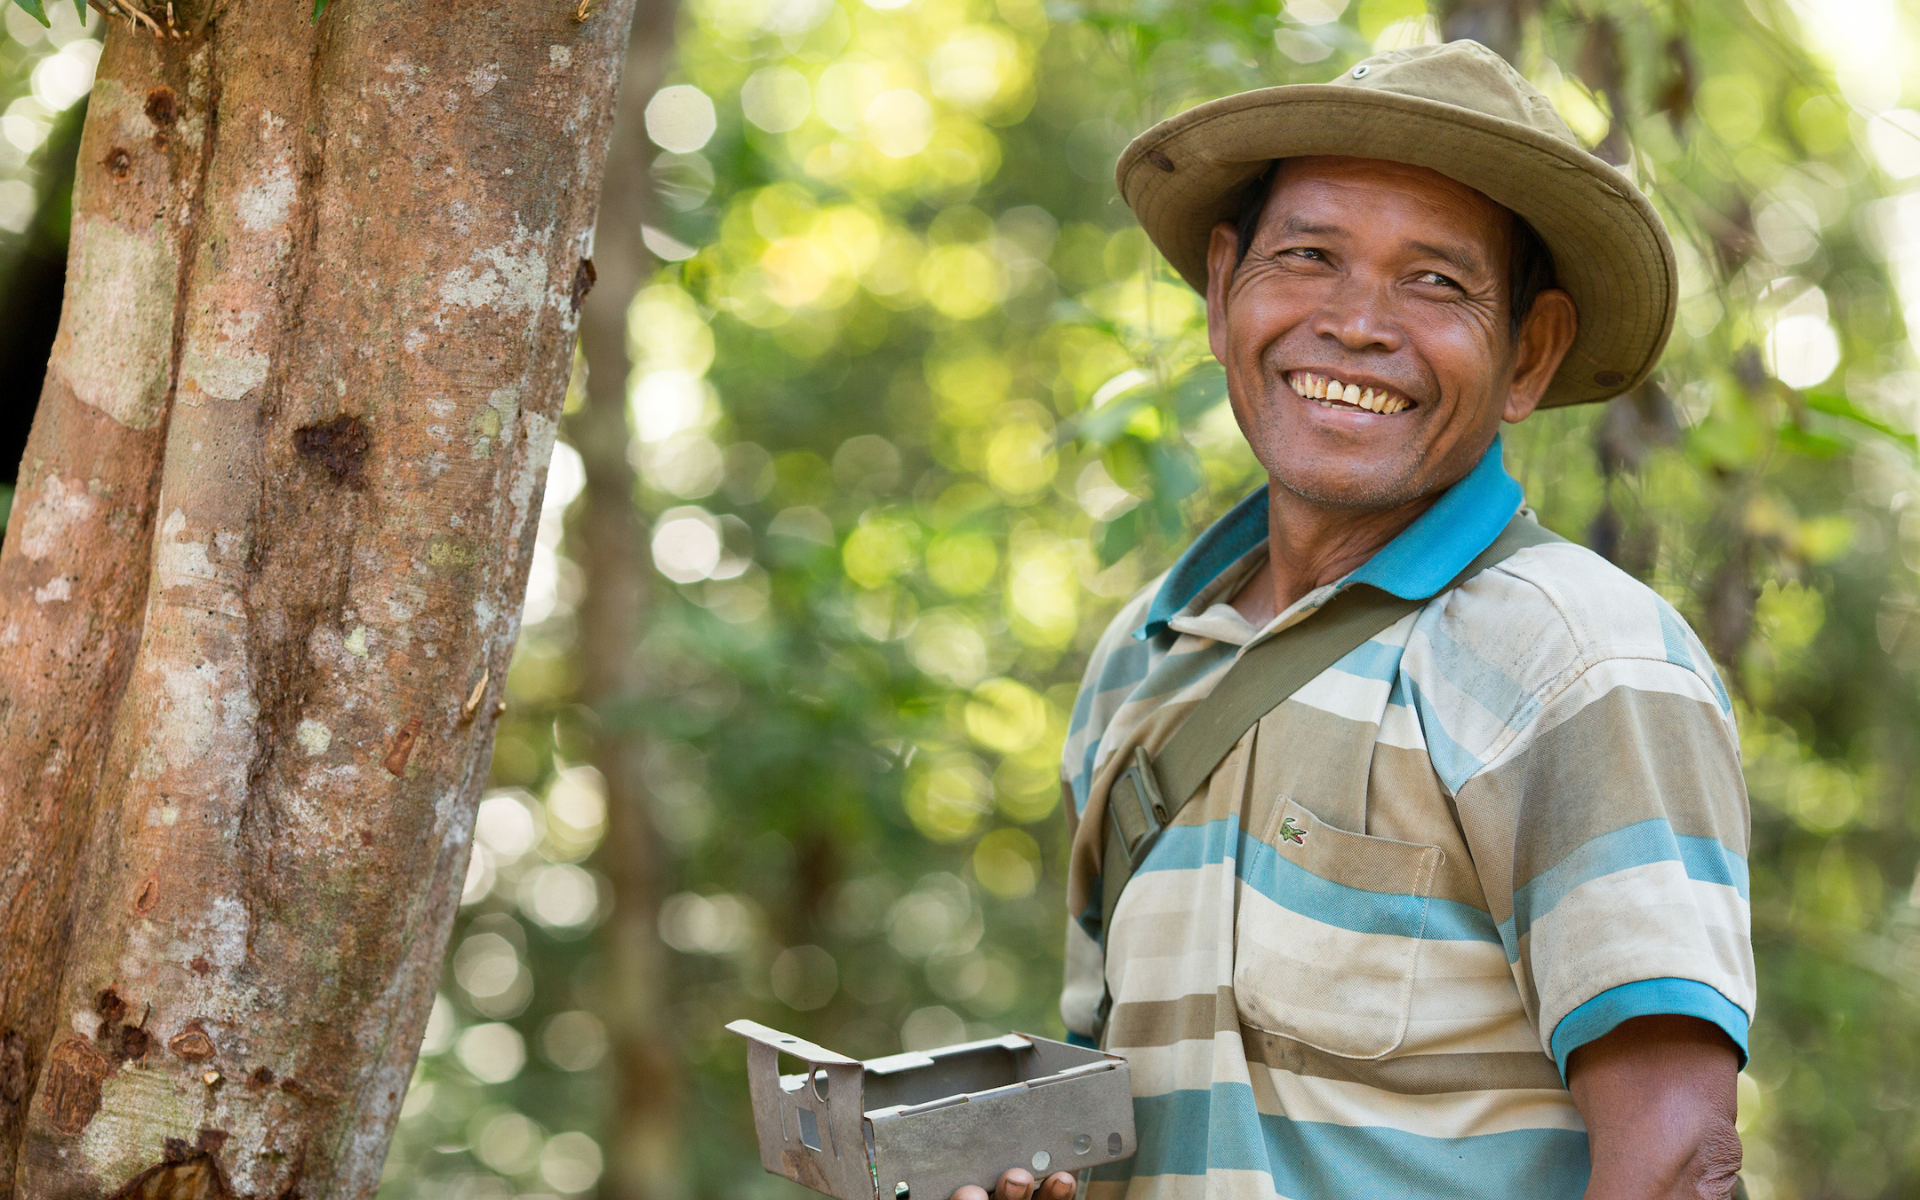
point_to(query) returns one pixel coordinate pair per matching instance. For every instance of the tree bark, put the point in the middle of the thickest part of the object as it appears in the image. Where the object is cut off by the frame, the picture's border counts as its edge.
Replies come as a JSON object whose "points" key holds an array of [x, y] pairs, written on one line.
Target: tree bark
{"points": [[644, 1128], [265, 571]]}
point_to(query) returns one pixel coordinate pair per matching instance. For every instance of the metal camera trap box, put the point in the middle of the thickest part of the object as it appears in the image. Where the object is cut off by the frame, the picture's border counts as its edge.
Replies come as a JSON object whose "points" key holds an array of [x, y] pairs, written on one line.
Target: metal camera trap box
{"points": [[919, 1125]]}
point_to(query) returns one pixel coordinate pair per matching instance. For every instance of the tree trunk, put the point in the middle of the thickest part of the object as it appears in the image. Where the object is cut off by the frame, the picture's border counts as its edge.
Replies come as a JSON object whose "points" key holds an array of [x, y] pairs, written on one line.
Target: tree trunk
{"points": [[644, 1129], [265, 570], [1496, 24]]}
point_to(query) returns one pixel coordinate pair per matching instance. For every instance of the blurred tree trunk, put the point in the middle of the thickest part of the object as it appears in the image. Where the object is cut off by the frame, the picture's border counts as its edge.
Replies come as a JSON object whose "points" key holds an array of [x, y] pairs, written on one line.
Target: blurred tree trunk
{"points": [[1495, 24], [264, 573], [644, 1130]]}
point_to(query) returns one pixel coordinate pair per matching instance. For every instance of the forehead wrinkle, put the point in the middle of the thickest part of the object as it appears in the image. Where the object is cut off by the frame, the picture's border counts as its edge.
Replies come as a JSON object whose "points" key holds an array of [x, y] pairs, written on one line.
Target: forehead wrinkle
{"points": [[1295, 225]]}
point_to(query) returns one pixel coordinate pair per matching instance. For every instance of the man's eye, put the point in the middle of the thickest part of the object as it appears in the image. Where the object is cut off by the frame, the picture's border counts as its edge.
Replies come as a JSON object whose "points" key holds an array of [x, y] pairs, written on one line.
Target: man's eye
{"points": [[1435, 277], [1306, 252]]}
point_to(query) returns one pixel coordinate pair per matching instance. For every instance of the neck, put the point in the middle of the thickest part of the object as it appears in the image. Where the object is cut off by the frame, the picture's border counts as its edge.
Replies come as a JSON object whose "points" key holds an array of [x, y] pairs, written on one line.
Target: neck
{"points": [[1310, 545]]}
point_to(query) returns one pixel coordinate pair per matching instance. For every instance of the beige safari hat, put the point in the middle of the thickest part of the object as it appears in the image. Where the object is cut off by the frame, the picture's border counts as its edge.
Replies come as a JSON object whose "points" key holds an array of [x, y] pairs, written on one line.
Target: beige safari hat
{"points": [[1458, 109]]}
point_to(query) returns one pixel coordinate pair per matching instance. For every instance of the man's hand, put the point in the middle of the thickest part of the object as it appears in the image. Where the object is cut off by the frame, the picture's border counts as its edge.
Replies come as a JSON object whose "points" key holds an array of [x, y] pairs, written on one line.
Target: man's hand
{"points": [[1658, 1097], [1017, 1184]]}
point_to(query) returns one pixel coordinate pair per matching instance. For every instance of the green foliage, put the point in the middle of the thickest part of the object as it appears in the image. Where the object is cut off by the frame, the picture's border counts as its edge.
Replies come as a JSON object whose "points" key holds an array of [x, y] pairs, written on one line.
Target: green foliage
{"points": [[37, 10]]}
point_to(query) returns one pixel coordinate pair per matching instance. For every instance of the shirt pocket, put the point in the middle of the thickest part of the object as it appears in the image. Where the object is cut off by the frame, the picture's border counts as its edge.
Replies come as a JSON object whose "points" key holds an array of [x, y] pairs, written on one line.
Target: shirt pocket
{"points": [[1327, 937]]}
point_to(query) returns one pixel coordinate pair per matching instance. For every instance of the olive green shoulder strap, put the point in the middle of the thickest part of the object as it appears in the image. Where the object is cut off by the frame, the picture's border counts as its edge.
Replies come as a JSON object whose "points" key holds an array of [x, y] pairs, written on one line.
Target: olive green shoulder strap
{"points": [[1152, 791]]}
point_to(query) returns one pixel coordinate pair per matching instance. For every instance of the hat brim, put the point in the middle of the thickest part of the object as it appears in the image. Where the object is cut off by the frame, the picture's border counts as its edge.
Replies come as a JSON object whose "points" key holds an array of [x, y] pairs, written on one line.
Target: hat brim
{"points": [[1610, 249]]}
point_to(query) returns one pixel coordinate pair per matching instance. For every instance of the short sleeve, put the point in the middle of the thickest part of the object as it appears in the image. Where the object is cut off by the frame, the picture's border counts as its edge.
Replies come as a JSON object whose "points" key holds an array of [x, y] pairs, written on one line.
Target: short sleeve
{"points": [[1611, 838]]}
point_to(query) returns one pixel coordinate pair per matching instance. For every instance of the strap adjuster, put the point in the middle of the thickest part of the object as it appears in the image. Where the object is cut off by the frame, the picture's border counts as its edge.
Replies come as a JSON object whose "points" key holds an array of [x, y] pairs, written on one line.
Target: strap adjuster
{"points": [[1136, 809]]}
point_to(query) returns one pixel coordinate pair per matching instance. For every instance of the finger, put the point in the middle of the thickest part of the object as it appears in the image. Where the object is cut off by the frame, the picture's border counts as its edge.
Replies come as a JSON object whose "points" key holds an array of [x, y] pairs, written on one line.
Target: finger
{"points": [[1059, 1186], [970, 1192], [1016, 1184]]}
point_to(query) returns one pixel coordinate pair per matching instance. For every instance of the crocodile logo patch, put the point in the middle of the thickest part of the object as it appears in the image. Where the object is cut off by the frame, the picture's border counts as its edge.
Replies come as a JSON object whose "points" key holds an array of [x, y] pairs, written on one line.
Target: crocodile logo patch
{"points": [[1292, 833]]}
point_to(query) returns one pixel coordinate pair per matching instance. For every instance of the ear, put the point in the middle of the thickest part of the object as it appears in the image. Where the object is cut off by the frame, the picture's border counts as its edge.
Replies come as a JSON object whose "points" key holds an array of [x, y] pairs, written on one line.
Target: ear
{"points": [[1546, 334], [1223, 251]]}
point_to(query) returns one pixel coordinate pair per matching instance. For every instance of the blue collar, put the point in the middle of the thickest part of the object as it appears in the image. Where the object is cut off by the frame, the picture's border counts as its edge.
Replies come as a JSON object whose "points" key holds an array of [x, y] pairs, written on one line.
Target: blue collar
{"points": [[1418, 563]]}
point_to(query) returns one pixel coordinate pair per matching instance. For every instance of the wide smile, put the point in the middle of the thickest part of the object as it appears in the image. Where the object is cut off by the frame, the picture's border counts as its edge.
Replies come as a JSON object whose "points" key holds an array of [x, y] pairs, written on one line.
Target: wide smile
{"points": [[1333, 393]]}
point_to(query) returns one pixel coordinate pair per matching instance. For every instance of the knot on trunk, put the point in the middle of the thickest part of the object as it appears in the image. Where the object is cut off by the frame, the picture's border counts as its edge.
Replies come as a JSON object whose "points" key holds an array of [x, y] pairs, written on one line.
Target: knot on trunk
{"points": [[338, 445], [183, 1173]]}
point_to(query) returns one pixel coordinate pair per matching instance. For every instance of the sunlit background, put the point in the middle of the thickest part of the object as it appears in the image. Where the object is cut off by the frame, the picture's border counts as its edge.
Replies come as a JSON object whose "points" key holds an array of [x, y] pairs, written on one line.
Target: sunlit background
{"points": [[915, 407]]}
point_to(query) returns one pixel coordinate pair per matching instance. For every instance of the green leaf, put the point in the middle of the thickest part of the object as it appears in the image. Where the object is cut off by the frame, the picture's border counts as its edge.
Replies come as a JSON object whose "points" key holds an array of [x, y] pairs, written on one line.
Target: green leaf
{"points": [[1118, 536], [1204, 387], [1175, 469], [1836, 405], [1126, 461], [1169, 516], [33, 9], [1102, 425], [319, 6], [1813, 445]]}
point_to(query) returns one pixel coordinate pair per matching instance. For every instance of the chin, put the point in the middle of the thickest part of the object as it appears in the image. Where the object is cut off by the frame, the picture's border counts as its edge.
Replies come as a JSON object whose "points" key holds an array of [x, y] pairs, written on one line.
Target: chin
{"points": [[1373, 487]]}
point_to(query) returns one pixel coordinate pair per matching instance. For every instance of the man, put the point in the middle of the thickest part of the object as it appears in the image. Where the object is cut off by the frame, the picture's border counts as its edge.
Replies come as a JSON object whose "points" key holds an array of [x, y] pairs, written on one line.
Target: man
{"points": [[1466, 914]]}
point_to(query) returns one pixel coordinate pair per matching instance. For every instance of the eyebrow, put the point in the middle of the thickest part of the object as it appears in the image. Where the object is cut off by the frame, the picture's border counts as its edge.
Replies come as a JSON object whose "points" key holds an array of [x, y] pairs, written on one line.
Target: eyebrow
{"points": [[1458, 257]]}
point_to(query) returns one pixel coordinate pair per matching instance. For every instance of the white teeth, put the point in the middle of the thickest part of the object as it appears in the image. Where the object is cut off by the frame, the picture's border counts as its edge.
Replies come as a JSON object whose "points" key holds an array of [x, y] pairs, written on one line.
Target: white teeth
{"points": [[1352, 395]]}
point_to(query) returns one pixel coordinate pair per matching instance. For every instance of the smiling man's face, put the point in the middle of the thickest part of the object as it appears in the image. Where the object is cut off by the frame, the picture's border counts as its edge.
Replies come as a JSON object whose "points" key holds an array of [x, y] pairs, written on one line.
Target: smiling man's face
{"points": [[1366, 336]]}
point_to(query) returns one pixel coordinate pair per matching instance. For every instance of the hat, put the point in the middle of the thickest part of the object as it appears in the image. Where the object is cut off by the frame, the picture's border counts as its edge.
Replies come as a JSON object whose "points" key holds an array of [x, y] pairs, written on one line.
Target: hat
{"points": [[1458, 109]]}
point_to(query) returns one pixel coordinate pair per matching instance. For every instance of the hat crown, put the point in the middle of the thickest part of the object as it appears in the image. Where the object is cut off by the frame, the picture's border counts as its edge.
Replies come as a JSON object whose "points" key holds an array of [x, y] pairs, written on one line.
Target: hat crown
{"points": [[1466, 75]]}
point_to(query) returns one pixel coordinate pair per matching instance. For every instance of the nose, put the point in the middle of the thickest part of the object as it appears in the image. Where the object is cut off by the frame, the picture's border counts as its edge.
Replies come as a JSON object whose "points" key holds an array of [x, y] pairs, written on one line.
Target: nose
{"points": [[1359, 315]]}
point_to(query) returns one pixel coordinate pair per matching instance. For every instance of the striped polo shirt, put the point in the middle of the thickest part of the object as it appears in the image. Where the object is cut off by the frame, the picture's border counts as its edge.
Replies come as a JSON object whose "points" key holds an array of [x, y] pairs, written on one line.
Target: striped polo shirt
{"points": [[1356, 963]]}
